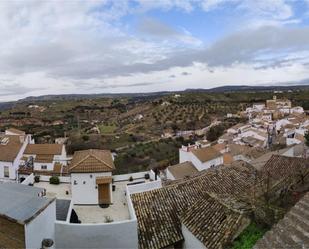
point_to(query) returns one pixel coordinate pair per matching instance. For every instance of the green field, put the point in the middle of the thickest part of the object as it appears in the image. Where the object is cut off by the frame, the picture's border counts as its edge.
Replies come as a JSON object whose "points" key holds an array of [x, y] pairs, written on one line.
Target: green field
{"points": [[107, 129]]}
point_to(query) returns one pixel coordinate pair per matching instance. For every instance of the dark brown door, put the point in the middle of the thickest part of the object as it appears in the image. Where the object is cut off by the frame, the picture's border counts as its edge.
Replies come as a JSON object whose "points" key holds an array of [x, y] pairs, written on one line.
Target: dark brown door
{"points": [[104, 194]]}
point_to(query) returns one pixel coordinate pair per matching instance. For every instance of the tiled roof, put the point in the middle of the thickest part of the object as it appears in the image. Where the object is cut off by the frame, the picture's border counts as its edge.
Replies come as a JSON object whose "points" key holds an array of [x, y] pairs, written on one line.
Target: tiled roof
{"points": [[10, 150], [182, 170], [259, 162], [43, 149], [158, 211], [44, 159], [92, 161], [16, 131], [290, 232], [219, 222], [219, 147], [236, 149], [280, 167], [206, 154]]}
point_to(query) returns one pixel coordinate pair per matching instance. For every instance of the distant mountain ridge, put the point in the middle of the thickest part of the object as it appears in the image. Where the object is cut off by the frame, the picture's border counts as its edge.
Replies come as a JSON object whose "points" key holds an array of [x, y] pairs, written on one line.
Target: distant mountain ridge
{"points": [[221, 89]]}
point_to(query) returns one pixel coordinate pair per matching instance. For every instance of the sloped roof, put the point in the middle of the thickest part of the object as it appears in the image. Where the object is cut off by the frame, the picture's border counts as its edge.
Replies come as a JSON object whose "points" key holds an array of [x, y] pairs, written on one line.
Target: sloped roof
{"points": [[21, 203], [9, 151], [44, 149], [85, 161], [259, 162], [182, 170], [44, 159], [291, 231], [16, 131], [158, 211], [279, 167], [247, 151], [206, 154], [219, 222]]}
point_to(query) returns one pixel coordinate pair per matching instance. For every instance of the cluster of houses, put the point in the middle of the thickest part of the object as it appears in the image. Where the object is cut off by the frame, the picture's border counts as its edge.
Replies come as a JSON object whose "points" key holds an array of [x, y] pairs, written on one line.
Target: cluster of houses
{"points": [[205, 201]]}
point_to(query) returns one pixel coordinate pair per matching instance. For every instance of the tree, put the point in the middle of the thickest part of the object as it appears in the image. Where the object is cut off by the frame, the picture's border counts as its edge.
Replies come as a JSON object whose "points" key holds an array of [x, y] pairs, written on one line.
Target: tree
{"points": [[214, 133]]}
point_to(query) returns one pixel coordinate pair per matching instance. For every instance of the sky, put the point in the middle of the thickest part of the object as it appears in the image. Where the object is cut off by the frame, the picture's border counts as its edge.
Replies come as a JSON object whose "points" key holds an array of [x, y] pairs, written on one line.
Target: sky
{"points": [[112, 46]]}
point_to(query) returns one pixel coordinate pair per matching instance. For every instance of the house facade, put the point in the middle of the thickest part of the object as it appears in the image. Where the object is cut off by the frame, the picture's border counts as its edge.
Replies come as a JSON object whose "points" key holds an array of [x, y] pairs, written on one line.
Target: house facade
{"points": [[12, 145], [202, 158], [45, 158], [91, 177]]}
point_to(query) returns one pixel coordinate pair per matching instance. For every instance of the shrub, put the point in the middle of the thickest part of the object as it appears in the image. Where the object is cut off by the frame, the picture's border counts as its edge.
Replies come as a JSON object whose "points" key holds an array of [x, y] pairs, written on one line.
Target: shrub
{"points": [[131, 179], [37, 179], [54, 180]]}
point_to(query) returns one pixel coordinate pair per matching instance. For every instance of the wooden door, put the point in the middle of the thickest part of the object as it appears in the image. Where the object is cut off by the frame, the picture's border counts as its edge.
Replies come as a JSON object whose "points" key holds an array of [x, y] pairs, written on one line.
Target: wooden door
{"points": [[104, 194]]}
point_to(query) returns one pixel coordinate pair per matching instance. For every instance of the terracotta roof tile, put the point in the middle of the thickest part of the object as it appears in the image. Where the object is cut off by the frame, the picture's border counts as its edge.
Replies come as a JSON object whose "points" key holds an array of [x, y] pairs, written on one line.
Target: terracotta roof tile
{"points": [[43, 149], [10, 149], [158, 211], [92, 161], [206, 154], [182, 170], [44, 159]]}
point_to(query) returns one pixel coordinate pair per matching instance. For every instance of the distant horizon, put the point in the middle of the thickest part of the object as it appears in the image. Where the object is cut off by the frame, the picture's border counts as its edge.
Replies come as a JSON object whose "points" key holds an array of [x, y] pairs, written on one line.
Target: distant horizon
{"points": [[149, 46], [163, 91]]}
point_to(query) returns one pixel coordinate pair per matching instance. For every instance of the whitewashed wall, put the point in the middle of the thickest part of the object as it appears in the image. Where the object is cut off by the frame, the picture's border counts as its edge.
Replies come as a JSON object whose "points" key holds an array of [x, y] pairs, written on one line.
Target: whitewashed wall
{"points": [[42, 227], [62, 179], [29, 180], [206, 165], [184, 156], [190, 241], [169, 175], [11, 169], [38, 166], [143, 187], [108, 235], [126, 177], [86, 193]]}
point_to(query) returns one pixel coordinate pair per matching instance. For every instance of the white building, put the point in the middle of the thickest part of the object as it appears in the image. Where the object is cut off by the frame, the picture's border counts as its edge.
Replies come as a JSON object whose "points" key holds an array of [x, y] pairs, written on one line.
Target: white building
{"points": [[45, 157], [26, 218], [91, 177], [12, 145], [202, 158]]}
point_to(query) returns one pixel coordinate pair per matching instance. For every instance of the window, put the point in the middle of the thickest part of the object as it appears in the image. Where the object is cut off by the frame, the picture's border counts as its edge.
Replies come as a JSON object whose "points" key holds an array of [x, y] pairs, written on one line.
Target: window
{"points": [[6, 171], [43, 166]]}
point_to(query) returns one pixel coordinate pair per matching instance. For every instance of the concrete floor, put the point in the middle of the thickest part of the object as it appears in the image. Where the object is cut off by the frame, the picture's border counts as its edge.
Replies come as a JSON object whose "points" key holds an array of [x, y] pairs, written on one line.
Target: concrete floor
{"points": [[118, 211], [58, 191]]}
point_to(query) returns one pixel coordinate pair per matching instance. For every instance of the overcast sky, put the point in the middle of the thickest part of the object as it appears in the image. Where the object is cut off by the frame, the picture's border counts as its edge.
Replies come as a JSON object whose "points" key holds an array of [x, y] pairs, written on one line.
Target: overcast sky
{"points": [[58, 47]]}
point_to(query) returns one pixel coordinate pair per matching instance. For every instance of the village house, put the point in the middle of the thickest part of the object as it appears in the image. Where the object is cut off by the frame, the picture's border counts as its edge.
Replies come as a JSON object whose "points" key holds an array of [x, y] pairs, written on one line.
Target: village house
{"points": [[201, 158], [12, 145], [26, 218], [91, 177], [183, 208], [44, 158]]}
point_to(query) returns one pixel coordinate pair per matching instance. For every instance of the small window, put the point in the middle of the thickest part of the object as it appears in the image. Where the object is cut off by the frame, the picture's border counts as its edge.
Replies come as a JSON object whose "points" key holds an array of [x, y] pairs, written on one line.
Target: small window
{"points": [[75, 182], [6, 171], [43, 166]]}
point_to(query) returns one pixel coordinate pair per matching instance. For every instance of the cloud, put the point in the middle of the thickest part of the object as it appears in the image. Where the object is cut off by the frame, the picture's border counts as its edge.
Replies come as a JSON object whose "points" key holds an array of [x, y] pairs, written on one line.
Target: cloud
{"points": [[92, 45]]}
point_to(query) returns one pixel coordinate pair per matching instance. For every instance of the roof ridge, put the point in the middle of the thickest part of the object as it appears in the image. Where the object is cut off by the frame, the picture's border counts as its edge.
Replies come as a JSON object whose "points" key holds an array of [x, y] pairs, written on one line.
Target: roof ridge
{"points": [[102, 161], [78, 163]]}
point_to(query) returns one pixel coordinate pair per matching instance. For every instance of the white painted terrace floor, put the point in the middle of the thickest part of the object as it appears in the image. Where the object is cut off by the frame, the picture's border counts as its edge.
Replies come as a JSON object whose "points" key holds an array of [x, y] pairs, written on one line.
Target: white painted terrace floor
{"points": [[118, 211]]}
